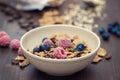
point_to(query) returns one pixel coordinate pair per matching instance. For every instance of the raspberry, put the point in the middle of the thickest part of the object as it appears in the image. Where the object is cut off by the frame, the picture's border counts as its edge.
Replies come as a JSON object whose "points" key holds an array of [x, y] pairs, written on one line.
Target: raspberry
{"points": [[2, 33], [15, 44], [4, 41]]}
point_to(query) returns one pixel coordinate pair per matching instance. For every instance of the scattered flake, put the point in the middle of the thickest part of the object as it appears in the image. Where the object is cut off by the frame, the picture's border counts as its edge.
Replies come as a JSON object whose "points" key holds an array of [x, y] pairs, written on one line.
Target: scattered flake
{"points": [[102, 52], [21, 61], [14, 62], [97, 59], [108, 57], [20, 58], [24, 63]]}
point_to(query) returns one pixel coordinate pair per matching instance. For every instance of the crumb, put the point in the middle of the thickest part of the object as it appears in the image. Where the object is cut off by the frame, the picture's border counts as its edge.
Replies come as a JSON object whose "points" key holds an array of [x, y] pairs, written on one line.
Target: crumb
{"points": [[14, 62], [108, 57]]}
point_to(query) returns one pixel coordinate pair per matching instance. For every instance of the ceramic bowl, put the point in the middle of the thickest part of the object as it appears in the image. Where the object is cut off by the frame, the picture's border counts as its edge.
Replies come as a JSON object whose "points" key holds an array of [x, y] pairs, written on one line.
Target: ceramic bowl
{"points": [[59, 67]]}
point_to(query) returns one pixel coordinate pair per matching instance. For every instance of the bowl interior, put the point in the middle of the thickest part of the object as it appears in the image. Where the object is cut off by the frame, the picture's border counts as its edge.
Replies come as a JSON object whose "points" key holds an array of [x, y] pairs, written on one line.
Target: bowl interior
{"points": [[35, 36]]}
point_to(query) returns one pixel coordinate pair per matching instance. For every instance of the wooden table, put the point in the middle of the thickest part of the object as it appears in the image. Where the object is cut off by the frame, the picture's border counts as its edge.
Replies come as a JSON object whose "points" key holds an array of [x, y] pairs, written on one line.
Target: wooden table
{"points": [[105, 70]]}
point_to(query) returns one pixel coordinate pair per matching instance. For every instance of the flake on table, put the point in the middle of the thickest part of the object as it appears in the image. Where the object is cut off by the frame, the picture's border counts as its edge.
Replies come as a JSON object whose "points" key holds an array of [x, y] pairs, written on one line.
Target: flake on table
{"points": [[97, 59], [102, 52]]}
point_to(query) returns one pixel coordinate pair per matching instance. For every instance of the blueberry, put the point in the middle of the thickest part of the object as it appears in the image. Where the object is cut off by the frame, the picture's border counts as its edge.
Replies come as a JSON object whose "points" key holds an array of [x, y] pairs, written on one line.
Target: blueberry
{"points": [[47, 47], [75, 50], [116, 24], [110, 27], [118, 33], [105, 36], [118, 28], [80, 47], [36, 50], [44, 39], [101, 30], [114, 30], [42, 47]]}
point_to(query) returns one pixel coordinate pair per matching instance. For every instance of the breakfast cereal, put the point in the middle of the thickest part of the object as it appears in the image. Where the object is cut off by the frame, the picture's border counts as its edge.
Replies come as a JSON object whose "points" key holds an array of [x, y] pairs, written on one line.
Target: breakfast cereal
{"points": [[21, 61], [101, 54], [61, 46]]}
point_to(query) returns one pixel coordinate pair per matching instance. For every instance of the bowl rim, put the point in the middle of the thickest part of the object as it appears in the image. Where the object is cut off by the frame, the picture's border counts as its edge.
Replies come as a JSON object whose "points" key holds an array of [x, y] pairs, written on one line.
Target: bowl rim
{"points": [[60, 60]]}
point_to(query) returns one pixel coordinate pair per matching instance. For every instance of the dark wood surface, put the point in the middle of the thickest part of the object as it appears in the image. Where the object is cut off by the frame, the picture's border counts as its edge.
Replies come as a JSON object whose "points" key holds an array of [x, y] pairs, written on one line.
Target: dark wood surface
{"points": [[105, 70]]}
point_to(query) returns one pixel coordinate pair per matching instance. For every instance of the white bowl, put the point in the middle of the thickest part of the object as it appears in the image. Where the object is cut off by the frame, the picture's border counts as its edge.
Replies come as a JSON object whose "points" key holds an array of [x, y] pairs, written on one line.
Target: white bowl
{"points": [[59, 67]]}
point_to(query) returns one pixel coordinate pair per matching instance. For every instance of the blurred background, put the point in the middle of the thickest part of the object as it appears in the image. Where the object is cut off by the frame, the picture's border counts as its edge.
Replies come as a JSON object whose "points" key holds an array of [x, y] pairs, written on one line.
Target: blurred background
{"points": [[33, 13]]}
